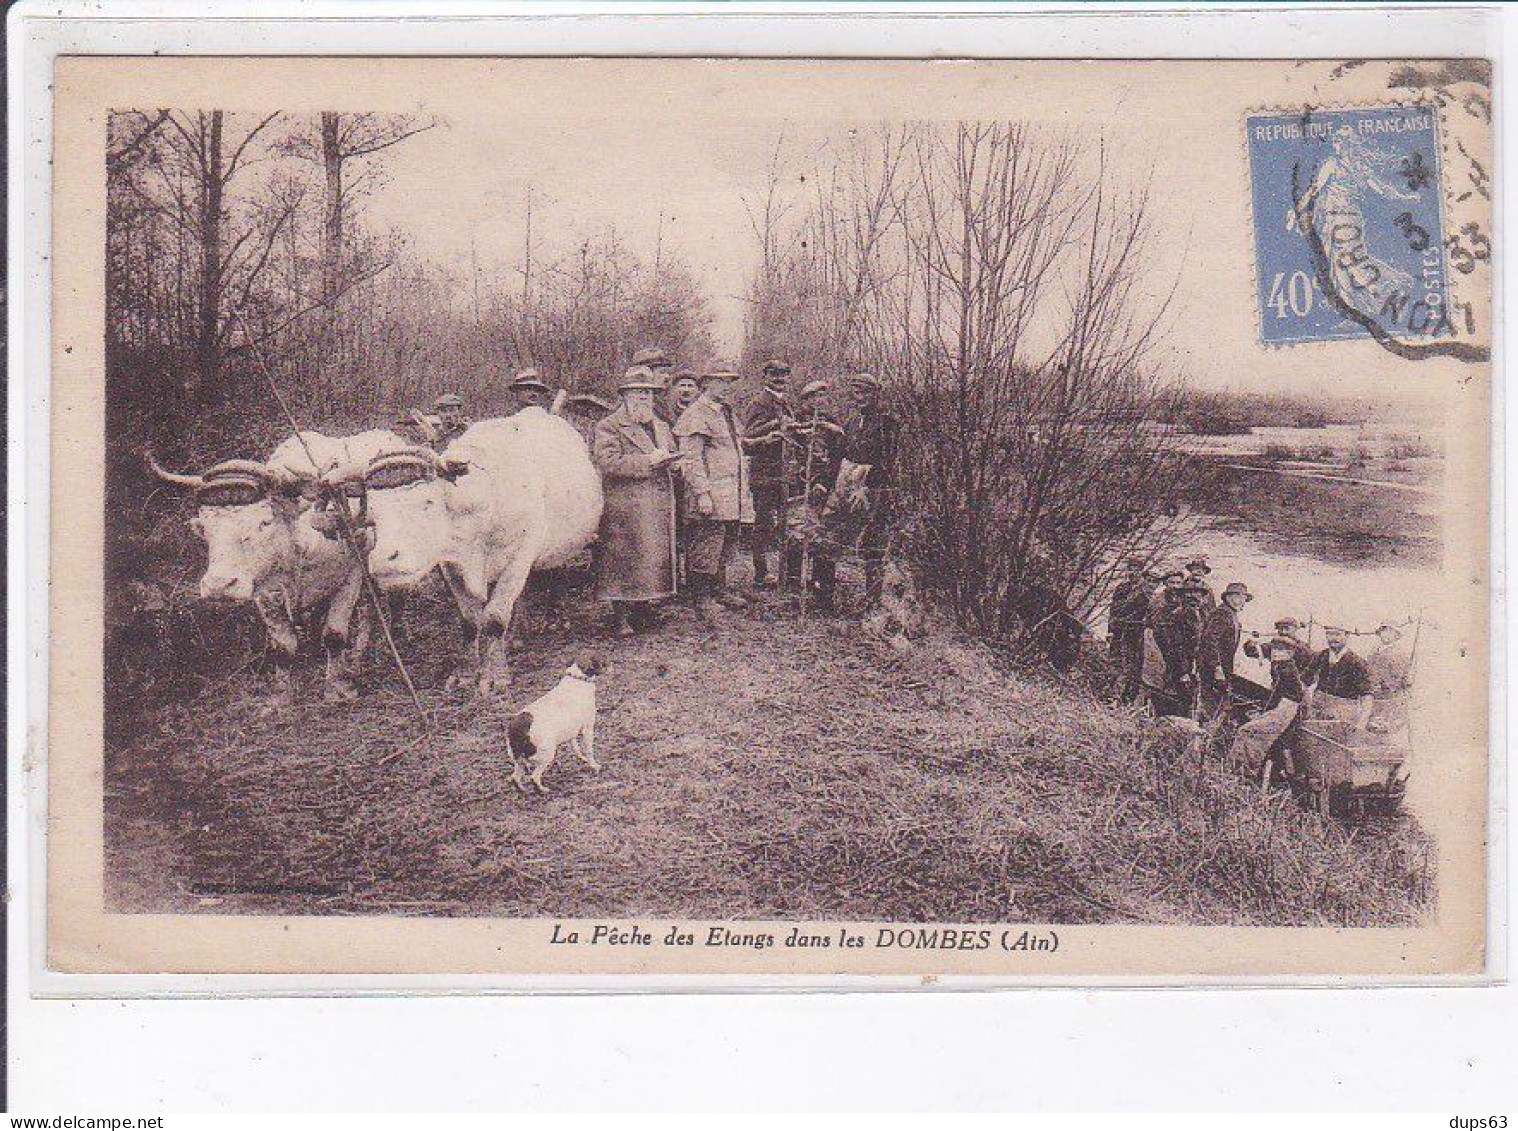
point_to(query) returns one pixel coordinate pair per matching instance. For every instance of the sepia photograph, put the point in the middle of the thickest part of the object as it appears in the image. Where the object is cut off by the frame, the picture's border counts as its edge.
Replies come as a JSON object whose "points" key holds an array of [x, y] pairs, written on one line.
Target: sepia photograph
{"points": [[771, 517]]}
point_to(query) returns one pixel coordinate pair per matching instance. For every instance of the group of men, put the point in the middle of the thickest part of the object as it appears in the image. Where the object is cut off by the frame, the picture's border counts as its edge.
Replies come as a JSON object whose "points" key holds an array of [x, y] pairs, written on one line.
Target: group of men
{"points": [[1196, 633], [684, 471], [1198, 637]]}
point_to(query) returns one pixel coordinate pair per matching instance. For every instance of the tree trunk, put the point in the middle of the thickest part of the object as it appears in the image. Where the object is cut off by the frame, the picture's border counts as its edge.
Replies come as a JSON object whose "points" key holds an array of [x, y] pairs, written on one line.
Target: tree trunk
{"points": [[332, 224], [208, 328], [332, 248]]}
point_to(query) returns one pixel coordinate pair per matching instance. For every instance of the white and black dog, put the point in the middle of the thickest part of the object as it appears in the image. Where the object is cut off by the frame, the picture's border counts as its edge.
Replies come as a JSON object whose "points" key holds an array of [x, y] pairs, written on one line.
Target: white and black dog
{"points": [[564, 713]]}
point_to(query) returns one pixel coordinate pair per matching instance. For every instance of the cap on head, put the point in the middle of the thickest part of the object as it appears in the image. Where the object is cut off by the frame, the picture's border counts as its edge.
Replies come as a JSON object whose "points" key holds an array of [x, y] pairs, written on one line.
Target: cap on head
{"points": [[640, 377], [1389, 630], [816, 388], [651, 357], [448, 400], [1288, 624], [528, 379], [1239, 589], [1198, 565], [718, 371]]}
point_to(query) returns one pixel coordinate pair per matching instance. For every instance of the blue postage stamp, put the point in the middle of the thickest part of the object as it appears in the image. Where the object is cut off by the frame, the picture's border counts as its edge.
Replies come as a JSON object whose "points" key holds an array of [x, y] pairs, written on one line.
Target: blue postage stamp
{"points": [[1347, 225]]}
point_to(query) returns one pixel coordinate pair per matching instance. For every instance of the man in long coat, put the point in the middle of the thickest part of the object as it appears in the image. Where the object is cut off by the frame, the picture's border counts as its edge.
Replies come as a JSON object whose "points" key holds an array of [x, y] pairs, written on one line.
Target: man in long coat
{"points": [[637, 456], [717, 494]]}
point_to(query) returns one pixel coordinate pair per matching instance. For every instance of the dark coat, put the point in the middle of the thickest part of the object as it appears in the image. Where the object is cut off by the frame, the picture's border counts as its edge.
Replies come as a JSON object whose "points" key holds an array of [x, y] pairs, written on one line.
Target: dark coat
{"points": [[1348, 679], [1287, 662], [764, 439], [872, 440], [1220, 641], [638, 521], [1178, 632], [817, 452], [1130, 606]]}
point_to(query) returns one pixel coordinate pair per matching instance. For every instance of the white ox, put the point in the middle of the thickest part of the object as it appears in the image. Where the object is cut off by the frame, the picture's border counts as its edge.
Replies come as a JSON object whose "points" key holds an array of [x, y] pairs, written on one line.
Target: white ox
{"points": [[266, 545], [509, 496]]}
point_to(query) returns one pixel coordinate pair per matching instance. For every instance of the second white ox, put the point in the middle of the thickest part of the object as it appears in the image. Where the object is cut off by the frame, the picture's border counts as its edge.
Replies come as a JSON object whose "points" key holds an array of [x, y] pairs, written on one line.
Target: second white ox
{"points": [[509, 496]]}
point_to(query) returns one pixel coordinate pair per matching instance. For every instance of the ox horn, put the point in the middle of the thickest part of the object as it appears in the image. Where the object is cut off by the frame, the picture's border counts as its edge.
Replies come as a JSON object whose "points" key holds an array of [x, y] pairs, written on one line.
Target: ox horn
{"points": [[288, 481], [190, 481]]}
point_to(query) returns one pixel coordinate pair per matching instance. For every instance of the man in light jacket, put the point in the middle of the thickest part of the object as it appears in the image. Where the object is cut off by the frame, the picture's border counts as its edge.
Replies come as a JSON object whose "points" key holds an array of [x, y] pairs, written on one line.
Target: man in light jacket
{"points": [[717, 493]]}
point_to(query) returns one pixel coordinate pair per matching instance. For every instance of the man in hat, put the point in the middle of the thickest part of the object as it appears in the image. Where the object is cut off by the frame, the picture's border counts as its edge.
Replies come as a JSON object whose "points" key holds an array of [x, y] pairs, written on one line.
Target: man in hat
{"points": [[445, 424], [1180, 644], [529, 390], [1287, 655], [1197, 571], [1126, 620], [816, 449], [717, 494], [764, 442], [636, 454], [1220, 643], [872, 441]]}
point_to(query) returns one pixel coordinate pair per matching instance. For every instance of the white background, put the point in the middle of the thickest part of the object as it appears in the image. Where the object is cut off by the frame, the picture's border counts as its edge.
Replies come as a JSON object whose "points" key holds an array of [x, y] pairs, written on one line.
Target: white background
{"points": [[1447, 1050]]}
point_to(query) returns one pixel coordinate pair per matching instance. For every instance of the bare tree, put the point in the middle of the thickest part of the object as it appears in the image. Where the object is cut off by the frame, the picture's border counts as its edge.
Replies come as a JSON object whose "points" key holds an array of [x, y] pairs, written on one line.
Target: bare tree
{"points": [[992, 276]]}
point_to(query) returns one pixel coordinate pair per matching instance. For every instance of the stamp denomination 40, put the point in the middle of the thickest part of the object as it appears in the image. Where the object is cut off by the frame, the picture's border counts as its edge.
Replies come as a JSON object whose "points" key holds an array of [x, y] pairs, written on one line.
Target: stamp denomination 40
{"points": [[1348, 225]]}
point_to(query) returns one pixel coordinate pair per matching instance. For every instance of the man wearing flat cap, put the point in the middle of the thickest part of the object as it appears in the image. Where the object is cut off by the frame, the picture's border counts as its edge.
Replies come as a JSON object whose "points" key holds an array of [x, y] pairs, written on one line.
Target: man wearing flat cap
{"points": [[764, 428], [636, 454], [529, 390], [684, 390], [1126, 621], [717, 494], [1221, 634], [872, 441]]}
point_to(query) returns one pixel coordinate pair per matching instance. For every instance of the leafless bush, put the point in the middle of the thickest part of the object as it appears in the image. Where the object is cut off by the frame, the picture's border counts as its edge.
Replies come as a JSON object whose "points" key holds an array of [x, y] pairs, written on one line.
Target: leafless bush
{"points": [[993, 276]]}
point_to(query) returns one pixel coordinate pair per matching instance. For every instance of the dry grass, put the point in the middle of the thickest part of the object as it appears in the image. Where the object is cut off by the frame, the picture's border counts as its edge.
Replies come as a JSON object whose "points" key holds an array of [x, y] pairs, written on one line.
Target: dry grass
{"points": [[774, 770]]}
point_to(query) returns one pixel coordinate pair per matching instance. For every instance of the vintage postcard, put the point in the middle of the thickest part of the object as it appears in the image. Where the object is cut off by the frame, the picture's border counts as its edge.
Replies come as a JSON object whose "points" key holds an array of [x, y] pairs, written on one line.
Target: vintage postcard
{"points": [[1003, 519]]}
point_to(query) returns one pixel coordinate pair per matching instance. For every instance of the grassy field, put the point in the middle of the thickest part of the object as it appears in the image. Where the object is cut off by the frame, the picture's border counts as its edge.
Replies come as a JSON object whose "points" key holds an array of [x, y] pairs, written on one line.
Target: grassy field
{"points": [[768, 769]]}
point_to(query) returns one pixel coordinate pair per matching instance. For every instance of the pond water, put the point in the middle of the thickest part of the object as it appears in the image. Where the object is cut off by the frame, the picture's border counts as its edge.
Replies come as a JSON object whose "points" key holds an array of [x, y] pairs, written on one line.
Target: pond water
{"points": [[1373, 441], [1357, 597]]}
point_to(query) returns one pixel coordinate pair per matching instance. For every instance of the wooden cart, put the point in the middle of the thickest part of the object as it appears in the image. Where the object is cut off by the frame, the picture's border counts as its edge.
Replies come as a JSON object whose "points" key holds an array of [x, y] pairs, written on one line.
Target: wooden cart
{"points": [[1347, 772]]}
